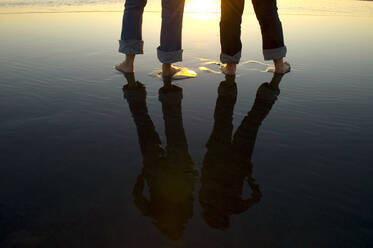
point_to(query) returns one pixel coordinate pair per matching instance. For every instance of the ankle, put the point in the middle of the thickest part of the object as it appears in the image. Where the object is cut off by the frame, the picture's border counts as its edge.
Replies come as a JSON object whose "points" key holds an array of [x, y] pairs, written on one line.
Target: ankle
{"points": [[281, 67], [166, 66], [278, 62], [130, 59], [231, 69], [166, 69]]}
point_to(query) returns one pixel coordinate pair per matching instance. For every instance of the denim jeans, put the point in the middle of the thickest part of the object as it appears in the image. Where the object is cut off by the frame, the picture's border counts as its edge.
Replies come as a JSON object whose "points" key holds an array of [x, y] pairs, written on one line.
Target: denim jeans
{"points": [[230, 29], [131, 41]]}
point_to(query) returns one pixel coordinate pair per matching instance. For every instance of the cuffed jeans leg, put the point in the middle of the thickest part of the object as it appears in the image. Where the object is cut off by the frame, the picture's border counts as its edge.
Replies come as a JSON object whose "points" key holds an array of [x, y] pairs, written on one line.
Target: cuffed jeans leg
{"points": [[170, 50], [131, 38], [271, 28], [230, 30]]}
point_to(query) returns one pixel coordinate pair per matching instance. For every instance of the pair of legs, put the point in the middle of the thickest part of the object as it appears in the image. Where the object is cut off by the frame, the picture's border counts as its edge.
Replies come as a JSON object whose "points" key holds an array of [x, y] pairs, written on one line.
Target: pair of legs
{"points": [[271, 29], [131, 42]]}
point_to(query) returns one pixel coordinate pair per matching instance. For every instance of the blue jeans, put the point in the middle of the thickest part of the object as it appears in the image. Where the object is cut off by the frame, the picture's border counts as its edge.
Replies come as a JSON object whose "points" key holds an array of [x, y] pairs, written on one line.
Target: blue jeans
{"points": [[131, 41]]}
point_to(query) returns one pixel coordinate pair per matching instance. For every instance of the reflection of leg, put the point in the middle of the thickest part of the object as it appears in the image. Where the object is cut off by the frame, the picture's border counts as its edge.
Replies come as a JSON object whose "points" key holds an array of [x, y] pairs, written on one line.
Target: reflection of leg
{"points": [[230, 30], [219, 143], [150, 143], [170, 50], [131, 81], [177, 147], [223, 115], [221, 178], [148, 137], [173, 184]]}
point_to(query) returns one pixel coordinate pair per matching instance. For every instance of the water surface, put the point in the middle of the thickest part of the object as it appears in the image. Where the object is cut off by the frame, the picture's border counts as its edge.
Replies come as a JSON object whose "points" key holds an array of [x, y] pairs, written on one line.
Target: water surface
{"points": [[286, 163]]}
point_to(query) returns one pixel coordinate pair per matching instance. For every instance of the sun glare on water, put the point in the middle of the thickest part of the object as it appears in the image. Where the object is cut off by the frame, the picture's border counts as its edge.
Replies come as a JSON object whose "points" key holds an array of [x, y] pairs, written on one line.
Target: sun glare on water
{"points": [[202, 8]]}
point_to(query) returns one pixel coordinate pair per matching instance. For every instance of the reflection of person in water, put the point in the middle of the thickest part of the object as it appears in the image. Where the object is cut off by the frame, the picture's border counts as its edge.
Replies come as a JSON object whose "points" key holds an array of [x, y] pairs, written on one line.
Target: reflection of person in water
{"points": [[227, 163], [169, 173]]}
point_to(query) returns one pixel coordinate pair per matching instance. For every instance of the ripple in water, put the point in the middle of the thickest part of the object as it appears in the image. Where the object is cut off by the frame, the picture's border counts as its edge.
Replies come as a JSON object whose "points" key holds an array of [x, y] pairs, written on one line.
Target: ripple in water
{"points": [[212, 66]]}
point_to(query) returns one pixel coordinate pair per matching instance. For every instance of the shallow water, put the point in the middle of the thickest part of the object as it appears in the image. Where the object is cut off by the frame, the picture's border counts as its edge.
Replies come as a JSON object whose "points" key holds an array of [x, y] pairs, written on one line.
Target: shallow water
{"points": [[71, 142]]}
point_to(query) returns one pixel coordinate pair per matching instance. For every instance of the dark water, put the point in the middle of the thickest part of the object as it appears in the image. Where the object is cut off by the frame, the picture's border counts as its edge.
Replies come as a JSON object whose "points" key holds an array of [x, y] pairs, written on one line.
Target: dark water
{"points": [[260, 162]]}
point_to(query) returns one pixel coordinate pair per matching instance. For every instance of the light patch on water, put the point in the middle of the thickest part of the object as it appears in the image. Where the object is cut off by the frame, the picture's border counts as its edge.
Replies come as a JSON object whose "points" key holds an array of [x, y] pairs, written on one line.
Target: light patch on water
{"points": [[207, 69], [211, 62], [254, 65], [251, 61], [183, 73], [248, 65], [270, 69], [210, 66]]}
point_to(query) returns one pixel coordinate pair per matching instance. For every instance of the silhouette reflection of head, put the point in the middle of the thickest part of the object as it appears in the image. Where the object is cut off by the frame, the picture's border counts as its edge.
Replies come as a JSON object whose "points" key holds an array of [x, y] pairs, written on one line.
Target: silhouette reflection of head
{"points": [[169, 173], [227, 163]]}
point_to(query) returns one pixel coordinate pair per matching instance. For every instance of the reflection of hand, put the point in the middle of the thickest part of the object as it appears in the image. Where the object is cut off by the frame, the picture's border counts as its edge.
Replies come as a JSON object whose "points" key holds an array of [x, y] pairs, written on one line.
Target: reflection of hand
{"points": [[140, 201], [256, 194], [139, 186]]}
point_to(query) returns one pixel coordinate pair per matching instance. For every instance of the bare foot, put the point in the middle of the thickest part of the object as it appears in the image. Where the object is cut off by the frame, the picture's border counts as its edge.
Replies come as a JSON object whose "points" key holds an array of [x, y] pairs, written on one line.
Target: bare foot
{"points": [[126, 65], [168, 70], [229, 69], [281, 67]]}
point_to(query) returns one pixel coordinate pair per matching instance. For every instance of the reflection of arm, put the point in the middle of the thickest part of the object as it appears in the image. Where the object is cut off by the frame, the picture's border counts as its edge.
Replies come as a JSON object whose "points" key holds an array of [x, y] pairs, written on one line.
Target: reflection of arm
{"points": [[245, 136], [219, 143], [220, 179], [149, 142], [255, 195], [240, 204]]}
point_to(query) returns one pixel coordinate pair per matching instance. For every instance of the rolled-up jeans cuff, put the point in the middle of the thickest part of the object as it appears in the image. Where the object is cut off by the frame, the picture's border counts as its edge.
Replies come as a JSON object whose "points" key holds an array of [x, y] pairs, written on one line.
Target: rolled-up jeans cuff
{"points": [[276, 53], [235, 59], [137, 95], [171, 98], [169, 57], [131, 46]]}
